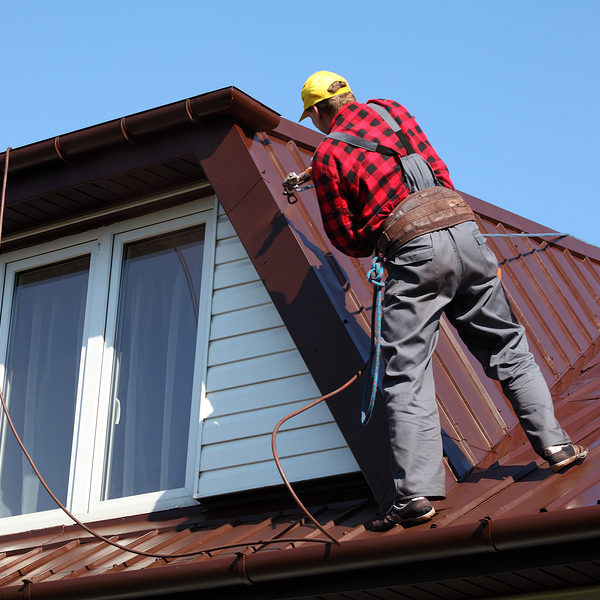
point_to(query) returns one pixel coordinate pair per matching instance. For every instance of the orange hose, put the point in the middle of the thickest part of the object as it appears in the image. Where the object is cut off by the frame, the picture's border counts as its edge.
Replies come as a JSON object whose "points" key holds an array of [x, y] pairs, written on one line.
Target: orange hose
{"points": [[278, 462]]}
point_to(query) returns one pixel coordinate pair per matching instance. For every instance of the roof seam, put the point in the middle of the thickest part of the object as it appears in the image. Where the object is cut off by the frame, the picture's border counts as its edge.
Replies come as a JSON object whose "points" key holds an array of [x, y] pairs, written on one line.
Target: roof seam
{"points": [[582, 356]]}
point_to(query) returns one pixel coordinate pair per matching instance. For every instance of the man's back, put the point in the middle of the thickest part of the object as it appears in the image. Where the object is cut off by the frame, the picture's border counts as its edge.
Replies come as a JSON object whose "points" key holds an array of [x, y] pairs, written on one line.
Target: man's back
{"points": [[358, 189]]}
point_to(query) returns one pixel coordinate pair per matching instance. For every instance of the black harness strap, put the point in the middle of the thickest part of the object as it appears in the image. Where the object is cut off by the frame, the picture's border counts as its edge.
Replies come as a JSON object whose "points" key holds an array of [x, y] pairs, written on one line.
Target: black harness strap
{"points": [[359, 142], [418, 174], [384, 113]]}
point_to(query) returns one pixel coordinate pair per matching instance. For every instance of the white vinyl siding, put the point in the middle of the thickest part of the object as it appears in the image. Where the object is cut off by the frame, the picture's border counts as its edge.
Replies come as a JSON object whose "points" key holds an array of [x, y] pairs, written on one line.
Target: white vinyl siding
{"points": [[255, 377]]}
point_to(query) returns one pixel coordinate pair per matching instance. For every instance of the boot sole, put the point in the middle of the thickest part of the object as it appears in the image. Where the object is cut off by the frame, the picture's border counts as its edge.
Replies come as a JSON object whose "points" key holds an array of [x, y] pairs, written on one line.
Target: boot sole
{"points": [[419, 519], [564, 463]]}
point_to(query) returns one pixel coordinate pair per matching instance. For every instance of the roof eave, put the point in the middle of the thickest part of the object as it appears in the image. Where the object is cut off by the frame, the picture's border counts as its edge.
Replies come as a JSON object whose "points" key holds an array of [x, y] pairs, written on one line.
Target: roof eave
{"points": [[502, 537], [226, 102]]}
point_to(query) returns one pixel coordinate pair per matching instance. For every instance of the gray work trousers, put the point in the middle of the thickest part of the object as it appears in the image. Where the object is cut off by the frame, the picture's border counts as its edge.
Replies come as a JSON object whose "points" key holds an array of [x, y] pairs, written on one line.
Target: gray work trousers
{"points": [[455, 272]]}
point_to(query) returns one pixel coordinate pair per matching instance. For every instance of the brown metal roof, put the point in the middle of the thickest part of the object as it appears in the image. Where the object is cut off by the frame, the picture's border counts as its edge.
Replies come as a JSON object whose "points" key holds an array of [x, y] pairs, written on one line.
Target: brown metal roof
{"points": [[478, 558], [508, 525]]}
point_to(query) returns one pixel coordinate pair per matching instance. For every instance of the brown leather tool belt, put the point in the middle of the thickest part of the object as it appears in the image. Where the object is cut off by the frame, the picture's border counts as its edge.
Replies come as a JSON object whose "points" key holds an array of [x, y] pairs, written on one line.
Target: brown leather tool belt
{"points": [[428, 210]]}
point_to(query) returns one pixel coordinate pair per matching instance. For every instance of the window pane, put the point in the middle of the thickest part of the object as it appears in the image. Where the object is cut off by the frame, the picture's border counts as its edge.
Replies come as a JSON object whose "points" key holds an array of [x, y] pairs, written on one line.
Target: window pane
{"points": [[154, 364], [42, 371]]}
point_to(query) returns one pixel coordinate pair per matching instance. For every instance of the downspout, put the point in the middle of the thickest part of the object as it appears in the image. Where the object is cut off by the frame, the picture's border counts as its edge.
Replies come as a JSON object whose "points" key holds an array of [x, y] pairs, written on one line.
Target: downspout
{"points": [[487, 537]]}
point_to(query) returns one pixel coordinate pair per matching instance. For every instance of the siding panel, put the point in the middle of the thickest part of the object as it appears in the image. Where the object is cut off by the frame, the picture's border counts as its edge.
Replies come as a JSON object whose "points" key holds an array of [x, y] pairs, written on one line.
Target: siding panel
{"points": [[234, 273], [250, 345], [264, 393], [239, 374], [255, 377], [241, 296], [260, 422], [224, 228], [229, 250], [264, 474], [289, 443], [243, 321]]}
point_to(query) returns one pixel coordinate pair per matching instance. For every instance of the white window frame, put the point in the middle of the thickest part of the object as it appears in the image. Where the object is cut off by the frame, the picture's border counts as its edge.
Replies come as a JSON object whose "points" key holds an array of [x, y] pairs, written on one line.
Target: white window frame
{"points": [[105, 247], [11, 269]]}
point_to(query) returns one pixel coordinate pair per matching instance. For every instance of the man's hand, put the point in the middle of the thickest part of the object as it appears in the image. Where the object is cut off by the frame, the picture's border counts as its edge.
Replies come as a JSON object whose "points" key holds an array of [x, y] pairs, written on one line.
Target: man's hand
{"points": [[291, 181], [294, 179]]}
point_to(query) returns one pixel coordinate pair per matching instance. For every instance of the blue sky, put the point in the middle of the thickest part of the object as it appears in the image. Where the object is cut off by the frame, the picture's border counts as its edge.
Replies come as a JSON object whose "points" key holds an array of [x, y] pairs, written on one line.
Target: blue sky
{"points": [[506, 90]]}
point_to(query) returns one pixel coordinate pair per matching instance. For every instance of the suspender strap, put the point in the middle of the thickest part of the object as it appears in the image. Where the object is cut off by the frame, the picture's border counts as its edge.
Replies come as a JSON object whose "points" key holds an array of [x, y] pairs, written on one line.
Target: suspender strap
{"points": [[384, 113], [359, 142], [418, 173], [373, 145]]}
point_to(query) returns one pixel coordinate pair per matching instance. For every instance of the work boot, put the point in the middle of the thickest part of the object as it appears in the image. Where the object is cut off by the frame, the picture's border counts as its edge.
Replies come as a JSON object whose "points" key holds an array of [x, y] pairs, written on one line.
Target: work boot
{"points": [[416, 510], [559, 458]]}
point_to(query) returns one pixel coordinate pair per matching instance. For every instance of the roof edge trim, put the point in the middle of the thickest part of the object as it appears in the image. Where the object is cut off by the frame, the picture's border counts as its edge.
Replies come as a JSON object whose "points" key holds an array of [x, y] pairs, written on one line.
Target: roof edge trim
{"points": [[225, 102], [484, 537]]}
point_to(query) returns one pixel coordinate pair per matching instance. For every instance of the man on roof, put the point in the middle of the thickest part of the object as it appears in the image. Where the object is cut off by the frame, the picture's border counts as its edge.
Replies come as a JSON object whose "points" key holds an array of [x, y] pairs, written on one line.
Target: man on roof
{"points": [[383, 189]]}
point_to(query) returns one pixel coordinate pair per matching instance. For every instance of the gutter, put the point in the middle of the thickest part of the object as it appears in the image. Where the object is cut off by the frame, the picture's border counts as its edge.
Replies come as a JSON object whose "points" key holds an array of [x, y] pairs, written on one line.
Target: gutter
{"points": [[228, 102], [492, 538]]}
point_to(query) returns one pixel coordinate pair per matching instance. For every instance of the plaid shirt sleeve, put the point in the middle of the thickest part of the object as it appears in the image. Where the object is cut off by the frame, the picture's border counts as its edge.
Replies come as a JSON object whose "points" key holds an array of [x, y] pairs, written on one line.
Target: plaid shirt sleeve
{"points": [[338, 219]]}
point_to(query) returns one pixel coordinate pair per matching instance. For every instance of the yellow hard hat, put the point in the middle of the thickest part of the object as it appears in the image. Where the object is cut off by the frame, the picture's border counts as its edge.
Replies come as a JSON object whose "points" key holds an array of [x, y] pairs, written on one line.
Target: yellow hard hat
{"points": [[315, 89]]}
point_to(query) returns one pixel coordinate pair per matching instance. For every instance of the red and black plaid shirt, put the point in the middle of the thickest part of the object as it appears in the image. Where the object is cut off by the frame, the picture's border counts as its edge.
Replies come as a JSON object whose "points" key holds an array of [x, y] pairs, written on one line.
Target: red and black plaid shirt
{"points": [[357, 189]]}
